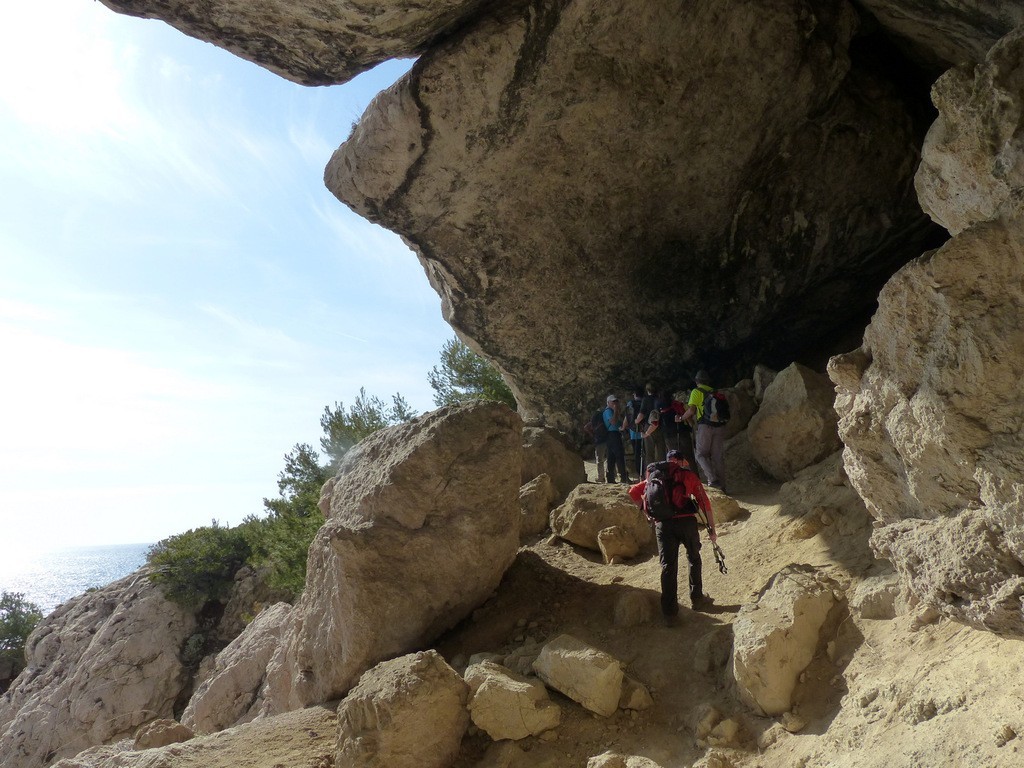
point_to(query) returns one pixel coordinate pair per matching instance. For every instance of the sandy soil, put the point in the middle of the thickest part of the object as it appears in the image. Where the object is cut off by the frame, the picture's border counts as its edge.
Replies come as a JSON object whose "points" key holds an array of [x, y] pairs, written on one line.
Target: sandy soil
{"points": [[890, 693]]}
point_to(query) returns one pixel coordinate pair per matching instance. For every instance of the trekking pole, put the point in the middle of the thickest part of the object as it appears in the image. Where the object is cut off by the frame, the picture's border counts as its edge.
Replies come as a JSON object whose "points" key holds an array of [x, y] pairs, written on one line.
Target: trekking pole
{"points": [[719, 557]]}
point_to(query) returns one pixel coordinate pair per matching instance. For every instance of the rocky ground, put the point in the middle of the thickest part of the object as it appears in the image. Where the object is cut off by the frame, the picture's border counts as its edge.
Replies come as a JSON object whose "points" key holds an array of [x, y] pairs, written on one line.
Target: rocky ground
{"points": [[906, 691]]}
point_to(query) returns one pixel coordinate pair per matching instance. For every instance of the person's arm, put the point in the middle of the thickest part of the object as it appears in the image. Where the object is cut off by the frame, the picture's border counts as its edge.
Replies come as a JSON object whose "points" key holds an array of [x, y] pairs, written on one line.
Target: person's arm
{"points": [[636, 492], [607, 416]]}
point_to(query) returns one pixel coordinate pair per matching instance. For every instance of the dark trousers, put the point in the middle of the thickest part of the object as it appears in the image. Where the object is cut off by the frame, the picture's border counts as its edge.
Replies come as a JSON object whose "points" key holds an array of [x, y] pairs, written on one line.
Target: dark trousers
{"points": [[670, 534], [616, 457], [638, 454]]}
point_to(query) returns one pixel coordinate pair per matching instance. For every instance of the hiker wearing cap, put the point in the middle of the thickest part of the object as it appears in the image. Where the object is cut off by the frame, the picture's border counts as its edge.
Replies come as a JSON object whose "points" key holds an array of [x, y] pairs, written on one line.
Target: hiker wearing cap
{"points": [[613, 419], [710, 436], [682, 506]]}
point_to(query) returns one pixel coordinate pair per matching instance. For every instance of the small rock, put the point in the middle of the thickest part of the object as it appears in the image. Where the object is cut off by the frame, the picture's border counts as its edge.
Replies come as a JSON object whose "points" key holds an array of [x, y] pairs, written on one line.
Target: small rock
{"points": [[793, 722]]}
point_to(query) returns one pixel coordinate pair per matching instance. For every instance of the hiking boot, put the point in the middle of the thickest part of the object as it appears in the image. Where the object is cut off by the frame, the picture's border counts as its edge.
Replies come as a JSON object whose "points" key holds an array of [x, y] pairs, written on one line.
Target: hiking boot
{"points": [[702, 602]]}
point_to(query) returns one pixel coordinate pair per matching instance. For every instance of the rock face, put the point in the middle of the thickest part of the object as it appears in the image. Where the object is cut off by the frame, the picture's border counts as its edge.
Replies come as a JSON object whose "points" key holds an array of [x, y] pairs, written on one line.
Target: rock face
{"points": [[99, 666], [542, 146], [536, 498], [545, 452], [313, 42], [932, 410], [423, 522], [409, 712], [230, 695], [796, 425]]}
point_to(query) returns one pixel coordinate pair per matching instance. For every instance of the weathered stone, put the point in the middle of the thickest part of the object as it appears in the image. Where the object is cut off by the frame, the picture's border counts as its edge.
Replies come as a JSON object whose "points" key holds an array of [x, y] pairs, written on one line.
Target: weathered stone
{"points": [[160, 733], [947, 32], [409, 712], [494, 159], [972, 161], [615, 760], [545, 451], [742, 407], [634, 695], [775, 639], [313, 42], [250, 594], [592, 508], [424, 521], [509, 706], [763, 376], [724, 508], [585, 674], [878, 597], [536, 499], [99, 666], [231, 693], [932, 416], [796, 424], [617, 543]]}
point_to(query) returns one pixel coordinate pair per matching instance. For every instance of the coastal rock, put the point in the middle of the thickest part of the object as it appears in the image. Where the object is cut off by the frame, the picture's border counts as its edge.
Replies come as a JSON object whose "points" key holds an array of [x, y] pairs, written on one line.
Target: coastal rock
{"points": [[99, 666], [230, 695], [796, 424], [409, 712], [423, 523]]}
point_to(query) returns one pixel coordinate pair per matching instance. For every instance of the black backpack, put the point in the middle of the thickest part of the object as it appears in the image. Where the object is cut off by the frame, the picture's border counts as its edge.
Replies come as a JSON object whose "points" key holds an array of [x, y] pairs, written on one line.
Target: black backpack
{"points": [[716, 408], [596, 428], [658, 493]]}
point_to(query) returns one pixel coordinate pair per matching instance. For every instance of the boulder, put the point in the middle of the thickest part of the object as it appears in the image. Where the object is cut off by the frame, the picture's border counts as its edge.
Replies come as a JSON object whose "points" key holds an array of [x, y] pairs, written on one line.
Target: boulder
{"points": [[424, 521], [776, 637], [230, 694], [594, 507], [99, 666], [617, 544], [409, 712], [536, 499], [634, 695], [796, 424], [723, 506], [742, 407], [763, 376], [545, 451], [509, 706], [616, 760], [585, 674], [160, 733], [878, 597]]}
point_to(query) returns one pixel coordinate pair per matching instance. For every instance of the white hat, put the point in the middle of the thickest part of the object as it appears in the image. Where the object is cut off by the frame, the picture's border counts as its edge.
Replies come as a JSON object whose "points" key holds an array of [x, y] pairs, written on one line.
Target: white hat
{"points": [[611, 399]]}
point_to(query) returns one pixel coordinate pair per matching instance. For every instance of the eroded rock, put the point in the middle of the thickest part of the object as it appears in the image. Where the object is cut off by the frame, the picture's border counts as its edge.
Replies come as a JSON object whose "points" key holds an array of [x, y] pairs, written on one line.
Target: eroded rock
{"points": [[594, 507], [509, 706], [585, 674], [536, 500], [545, 451], [424, 521]]}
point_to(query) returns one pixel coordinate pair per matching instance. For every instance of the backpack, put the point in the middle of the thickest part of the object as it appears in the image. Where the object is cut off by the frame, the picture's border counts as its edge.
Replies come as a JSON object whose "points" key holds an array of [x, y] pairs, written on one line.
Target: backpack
{"points": [[716, 408], [595, 428], [659, 491]]}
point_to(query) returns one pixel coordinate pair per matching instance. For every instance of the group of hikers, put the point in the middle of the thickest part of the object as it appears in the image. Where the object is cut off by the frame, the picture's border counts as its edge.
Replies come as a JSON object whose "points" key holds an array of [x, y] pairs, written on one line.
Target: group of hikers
{"points": [[670, 440]]}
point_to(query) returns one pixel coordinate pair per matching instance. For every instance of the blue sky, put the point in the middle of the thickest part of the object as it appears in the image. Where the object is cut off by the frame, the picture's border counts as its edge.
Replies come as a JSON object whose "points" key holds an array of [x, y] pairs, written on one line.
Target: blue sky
{"points": [[180, 296]]}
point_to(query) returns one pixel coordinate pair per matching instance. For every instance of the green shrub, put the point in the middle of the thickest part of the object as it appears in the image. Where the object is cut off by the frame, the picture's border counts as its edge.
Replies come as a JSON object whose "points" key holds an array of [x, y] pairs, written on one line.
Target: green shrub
{"points": [[18, 618], [281, 545], [199, 565]]}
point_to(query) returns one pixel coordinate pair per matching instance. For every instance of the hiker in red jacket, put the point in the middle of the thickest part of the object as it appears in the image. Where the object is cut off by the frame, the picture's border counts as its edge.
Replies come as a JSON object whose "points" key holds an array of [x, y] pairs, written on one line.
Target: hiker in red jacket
{"points": [[689, 502]]}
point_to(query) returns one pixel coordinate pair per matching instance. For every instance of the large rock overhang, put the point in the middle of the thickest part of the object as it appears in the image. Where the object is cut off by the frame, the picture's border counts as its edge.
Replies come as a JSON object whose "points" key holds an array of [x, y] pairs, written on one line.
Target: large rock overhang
{"points": [[600, 203]]}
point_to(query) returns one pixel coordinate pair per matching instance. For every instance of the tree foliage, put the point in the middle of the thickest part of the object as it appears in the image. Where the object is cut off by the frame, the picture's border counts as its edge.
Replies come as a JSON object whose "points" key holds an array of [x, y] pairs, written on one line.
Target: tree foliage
{"points": [[199, 565], [368, 414], [463, 375], [18, 617]]}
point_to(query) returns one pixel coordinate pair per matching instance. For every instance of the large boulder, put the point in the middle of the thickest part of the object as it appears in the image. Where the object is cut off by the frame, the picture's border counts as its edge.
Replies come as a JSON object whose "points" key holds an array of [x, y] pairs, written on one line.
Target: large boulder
{"points": [[99, 666], [423, 521], [230, 695], [776, 637], [585, 674], [595, 507], [796, 424], [409, 712], [932, 406], [538, 148], [506, 705], [536, 499], [545, 451]]}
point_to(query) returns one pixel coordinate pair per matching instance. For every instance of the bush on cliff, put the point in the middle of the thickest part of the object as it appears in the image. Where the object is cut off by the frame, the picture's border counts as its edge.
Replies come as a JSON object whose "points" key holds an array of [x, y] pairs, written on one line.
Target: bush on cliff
{"points": [[18, 617], [199, 565]]}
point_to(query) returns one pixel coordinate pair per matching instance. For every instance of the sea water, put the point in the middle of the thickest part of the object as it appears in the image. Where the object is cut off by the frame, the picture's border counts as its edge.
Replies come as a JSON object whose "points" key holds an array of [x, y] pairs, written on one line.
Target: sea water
{"points": [[51, 578]]}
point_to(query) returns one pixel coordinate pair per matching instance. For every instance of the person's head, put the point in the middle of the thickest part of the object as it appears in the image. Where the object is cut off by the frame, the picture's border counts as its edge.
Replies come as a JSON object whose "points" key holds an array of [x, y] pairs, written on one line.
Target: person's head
{"points": [[702, 377], [676, 457], [612, 401], [649, 388], [638, 392]]}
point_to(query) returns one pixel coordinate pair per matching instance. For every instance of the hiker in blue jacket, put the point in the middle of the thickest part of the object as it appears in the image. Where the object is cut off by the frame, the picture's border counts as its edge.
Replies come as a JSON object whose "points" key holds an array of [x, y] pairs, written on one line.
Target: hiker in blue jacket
{"points": [[613, 422]]}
